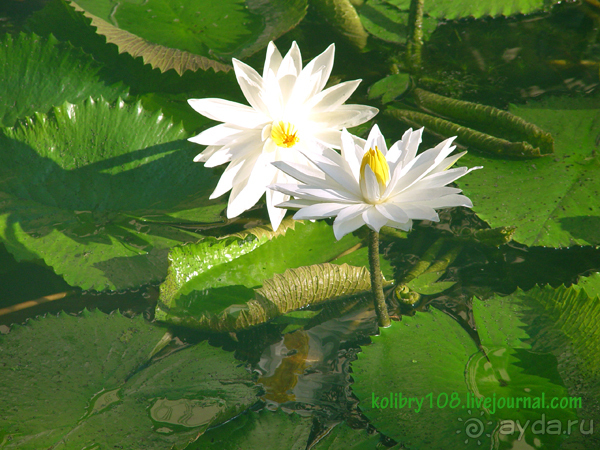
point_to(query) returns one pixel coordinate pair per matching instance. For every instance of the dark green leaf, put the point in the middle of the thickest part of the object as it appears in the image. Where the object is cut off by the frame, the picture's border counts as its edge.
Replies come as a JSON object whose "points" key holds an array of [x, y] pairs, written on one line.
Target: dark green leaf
{"points": [[97, 191]]}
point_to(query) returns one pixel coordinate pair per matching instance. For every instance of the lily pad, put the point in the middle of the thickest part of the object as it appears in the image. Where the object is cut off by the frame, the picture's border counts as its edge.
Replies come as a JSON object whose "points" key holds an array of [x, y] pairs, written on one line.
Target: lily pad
{"points": [[37, 73], [553, 201], [188, 34], [390, 87], [210, 283], [264, 430], [537, 346], [458, 9], [88, 382], [98, 190]]}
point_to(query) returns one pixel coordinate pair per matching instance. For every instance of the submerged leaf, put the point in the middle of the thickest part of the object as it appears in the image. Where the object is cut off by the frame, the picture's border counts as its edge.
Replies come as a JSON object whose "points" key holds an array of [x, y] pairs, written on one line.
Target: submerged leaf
{"points": [[97, 191], [90, 384]]}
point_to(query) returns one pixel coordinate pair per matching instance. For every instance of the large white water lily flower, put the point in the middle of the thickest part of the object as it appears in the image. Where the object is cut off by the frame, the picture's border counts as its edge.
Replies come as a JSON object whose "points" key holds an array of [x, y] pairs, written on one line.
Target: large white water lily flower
{"points": [[373, 185], [289, 111]]}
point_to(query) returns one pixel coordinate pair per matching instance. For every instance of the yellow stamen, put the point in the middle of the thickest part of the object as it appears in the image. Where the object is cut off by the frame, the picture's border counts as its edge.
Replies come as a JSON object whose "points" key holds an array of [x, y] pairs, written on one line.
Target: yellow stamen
{"points": [[376, 161], [284, 134]]}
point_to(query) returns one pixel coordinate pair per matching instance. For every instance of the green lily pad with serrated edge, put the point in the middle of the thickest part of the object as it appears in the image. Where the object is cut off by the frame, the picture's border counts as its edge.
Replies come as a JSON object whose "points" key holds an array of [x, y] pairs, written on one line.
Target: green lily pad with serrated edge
{"points": [[188, 34], [97, 190], [458, 9], [85, 382], [553, 201], [37, 73], [537, 343]]}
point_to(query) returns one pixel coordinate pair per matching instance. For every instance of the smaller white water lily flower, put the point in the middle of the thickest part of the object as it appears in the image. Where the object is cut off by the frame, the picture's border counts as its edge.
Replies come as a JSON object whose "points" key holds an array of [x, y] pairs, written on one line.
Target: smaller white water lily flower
{"points": [[289, 111], [369, 184]]}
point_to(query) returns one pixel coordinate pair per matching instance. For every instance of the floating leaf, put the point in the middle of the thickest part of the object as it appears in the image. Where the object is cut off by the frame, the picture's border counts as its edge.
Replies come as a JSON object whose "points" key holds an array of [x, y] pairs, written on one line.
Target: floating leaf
{"points": [[458, 9], [536, 342], [553, 201], [186, 35], [97, 192], [67, 380], [158, 56], [37, 73], [60, 19]]}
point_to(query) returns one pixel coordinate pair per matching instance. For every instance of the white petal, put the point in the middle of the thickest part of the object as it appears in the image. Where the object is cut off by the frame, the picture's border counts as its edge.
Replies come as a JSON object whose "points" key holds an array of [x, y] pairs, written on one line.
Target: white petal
{"points": [[443, 178], [295, 203], [217, 135], [420, 167], [304, 174], [393, 212], [411, 145], [401, 226], [449, 201], [349, 153], [292, 62], [274, 198], [328, 137], [423, 195], [252, 85], [369, 185], [246, 194], [417, 211], [320, 211], [332, 97], [321, 65], [374, 219], [226, 181], [448, 162], [341, 227], [344, 116], [286, 86], [207, 153], [229, 112], [238, 148], [273, 59], [376, 139]]}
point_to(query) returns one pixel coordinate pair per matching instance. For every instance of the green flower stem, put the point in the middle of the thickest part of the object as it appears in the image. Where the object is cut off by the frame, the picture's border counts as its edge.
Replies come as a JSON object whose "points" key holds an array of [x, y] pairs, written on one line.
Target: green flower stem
{"points": [[376, 281], [415, 35]]}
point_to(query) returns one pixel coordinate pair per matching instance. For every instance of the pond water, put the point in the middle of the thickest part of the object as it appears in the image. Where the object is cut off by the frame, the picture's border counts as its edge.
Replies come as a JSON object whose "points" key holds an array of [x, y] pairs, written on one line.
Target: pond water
{"points": [[134, 314]]}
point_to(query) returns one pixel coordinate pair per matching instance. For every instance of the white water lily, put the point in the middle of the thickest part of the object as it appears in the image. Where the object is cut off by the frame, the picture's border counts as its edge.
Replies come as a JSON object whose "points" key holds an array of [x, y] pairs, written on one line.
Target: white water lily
{"points": [[369, 184], [289, 111]]}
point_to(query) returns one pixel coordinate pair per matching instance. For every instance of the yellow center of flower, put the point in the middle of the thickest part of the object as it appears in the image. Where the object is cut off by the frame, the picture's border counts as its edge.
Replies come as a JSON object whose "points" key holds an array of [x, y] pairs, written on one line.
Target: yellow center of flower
{"points": [[284, 134], [376, 161]]}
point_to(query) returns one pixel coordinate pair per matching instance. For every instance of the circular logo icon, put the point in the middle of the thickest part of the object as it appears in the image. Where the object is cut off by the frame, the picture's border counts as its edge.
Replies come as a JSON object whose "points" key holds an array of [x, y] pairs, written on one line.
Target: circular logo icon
{"points": [[474, 428]]}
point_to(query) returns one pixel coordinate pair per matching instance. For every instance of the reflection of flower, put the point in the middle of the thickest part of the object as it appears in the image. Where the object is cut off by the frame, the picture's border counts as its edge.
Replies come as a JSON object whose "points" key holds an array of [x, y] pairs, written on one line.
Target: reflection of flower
{"points": [[373, 185], [289, 111]]}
